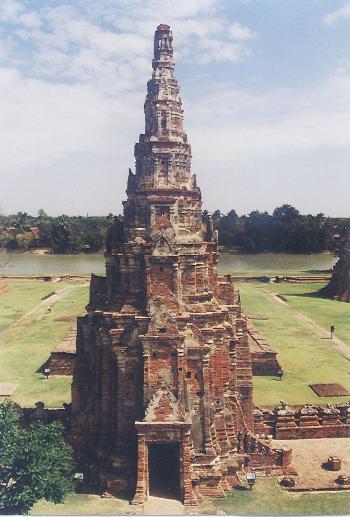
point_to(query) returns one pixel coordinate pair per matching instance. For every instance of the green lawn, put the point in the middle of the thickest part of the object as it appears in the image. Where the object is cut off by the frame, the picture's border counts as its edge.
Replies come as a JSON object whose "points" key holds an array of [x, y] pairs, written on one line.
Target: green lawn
{"points": [[267, 498], [305, 358], [305, 298], [21, 297], [83, 504], [279, 272], [25, 346]]}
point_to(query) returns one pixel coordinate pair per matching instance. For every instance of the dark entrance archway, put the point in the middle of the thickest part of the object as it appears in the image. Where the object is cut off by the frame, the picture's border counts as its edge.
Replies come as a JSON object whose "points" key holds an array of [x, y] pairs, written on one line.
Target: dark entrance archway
{"points": [[164, 470]]}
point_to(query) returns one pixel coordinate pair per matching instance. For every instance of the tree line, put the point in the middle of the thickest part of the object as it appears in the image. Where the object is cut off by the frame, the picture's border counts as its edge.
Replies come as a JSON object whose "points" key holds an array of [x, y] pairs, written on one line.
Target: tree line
{"points": [[285, 230], [62, 234]]}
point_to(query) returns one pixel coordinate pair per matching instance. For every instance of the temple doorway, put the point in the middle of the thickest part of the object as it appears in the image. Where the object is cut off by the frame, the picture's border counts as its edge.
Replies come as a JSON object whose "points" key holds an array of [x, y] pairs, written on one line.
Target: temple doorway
{"points": [[164, 470]]}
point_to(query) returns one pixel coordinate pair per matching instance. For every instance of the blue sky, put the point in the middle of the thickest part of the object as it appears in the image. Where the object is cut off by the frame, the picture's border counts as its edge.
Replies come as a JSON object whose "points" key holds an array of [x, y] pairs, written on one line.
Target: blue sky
{"points": [[265, 86]]}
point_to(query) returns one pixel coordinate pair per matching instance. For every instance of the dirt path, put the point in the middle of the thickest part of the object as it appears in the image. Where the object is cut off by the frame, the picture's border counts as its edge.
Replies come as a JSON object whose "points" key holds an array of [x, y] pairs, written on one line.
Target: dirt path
{"points": [[308, 457], [319, 331], [162, 506]]}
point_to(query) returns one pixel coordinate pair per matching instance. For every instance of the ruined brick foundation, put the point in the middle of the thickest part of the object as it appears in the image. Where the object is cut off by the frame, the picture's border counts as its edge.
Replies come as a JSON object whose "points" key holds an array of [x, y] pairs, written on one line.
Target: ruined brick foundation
{"points": [[163, 367], [289, 423]]}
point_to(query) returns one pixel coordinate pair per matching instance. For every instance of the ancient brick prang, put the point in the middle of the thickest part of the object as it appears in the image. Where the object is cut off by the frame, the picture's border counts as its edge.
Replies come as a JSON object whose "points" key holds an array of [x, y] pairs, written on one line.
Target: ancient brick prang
{"points": [[339, 285], [163, 366]]}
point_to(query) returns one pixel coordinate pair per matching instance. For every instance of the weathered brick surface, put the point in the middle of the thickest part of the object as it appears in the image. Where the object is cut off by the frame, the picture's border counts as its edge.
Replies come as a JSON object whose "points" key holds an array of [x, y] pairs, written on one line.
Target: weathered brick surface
{"points": [[61, 363], [305, 422], [163, 354]]}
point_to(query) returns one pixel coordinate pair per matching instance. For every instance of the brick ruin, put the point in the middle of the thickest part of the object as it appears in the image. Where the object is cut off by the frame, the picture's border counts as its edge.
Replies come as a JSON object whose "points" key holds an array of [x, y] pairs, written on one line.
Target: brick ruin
{"points": [[4, 286], [62, 357], [264, 359], [289, 423], [339, 285], [162, 385]]}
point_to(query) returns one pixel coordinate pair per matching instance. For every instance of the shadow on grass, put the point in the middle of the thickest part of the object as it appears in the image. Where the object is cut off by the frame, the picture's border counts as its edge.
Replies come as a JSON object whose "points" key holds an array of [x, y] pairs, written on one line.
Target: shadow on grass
{"points": [[242, 488], [318, 271], [321, 294], [94, 489], [41, 369]]}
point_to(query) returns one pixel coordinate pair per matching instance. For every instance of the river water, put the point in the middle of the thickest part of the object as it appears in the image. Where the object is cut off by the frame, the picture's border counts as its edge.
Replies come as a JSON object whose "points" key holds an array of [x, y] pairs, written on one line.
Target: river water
{"points": [[31, 264]]}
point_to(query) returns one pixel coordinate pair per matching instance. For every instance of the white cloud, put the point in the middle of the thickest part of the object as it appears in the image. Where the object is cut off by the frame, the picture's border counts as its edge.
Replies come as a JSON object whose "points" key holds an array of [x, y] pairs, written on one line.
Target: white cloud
{"points": [[272, 123], [9, 10], [108, 41], [72, 86], [338, 14], [30, 20], [43, 123], [216, 50], [240, 32]]}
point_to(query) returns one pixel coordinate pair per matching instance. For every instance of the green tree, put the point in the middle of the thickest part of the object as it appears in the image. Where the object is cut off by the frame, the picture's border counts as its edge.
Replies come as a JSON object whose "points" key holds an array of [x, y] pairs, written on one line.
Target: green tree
{"points": [[227, 229], [35, 463], [21, 221], [61, 235], [259, 234]]}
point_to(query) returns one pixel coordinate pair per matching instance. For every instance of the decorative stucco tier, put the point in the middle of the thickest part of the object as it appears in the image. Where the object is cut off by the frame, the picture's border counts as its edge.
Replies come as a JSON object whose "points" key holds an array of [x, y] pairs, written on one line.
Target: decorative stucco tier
{"points": [[162, 378]]}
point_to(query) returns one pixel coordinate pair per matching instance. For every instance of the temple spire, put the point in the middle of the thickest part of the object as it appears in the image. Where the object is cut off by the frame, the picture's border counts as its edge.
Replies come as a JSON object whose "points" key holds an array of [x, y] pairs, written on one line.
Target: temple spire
{"points": [[163, 47], [163, 154]]}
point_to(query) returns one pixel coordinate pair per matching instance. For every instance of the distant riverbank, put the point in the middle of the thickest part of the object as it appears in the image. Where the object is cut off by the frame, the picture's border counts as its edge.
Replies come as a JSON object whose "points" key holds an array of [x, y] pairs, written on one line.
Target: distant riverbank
{"points": [[83, 264]]}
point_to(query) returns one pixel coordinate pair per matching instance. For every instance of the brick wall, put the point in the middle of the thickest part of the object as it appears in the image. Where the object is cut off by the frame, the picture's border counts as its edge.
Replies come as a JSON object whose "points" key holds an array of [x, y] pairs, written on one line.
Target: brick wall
{"points": [[303, 423]]}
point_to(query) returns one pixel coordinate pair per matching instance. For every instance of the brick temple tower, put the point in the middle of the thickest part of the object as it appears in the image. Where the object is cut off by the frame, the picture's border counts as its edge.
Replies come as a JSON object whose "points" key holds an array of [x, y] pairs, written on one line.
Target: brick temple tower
{"points": [[339, 285], [162, 386]]}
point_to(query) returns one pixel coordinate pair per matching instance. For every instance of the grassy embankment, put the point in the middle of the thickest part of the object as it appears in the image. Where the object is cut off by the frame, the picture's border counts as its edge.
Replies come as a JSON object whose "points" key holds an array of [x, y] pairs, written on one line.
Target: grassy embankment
{"points": [[28, 332], [272, 264], [305, 357], [266, 498]]}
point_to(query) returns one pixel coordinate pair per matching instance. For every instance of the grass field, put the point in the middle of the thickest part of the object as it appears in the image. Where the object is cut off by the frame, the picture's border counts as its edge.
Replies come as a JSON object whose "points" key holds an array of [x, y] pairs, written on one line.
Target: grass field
{"points": [[305, 357], [21, 298], [305, 298], [29, 332], [278, 272], [266, 498], [82, 504]]}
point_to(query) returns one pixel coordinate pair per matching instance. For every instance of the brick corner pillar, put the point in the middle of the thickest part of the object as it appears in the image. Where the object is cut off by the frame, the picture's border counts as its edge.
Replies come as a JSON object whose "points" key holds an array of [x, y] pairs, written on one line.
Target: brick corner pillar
{"points": [[141, 491], [286, 456], [188, 496]]}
